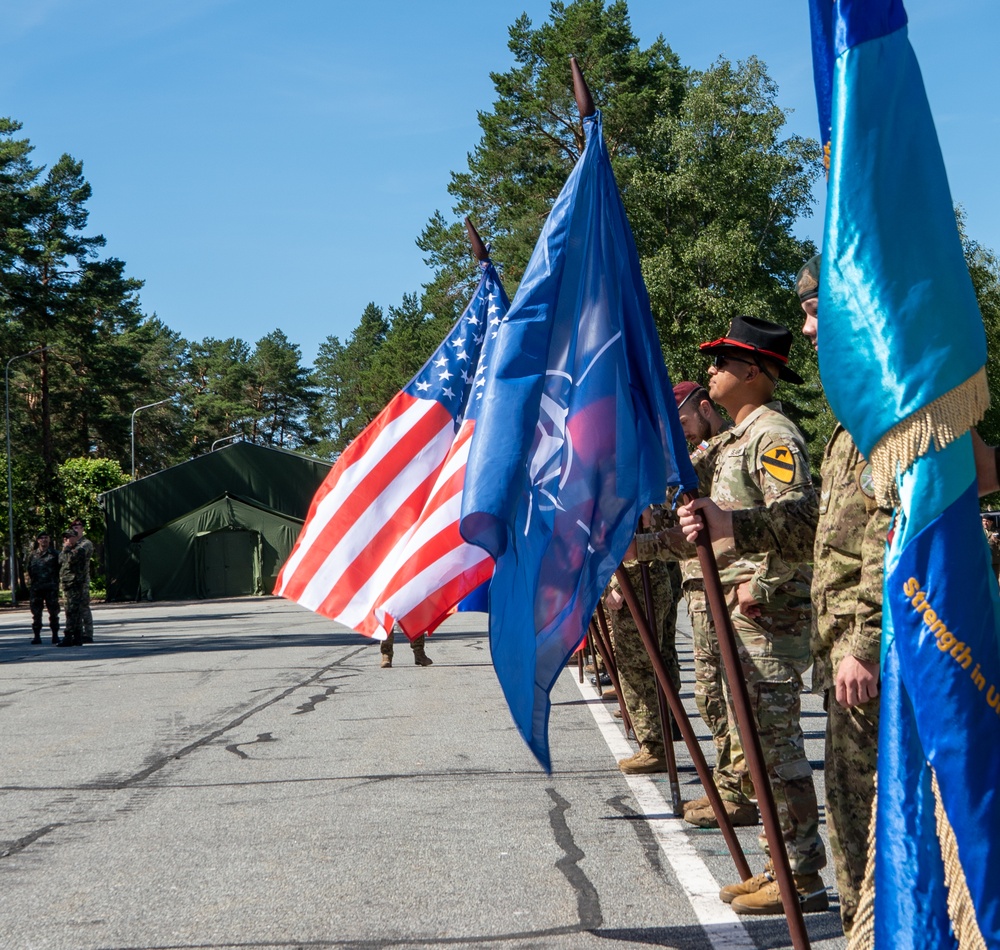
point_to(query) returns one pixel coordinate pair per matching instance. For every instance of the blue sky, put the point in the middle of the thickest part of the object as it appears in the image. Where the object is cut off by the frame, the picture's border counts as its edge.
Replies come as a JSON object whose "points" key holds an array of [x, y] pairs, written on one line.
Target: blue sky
{"points": [[267, 165]]}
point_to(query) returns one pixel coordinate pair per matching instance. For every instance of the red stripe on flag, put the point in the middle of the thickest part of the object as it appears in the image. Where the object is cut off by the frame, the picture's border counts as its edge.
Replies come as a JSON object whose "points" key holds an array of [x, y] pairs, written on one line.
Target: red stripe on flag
{"points": [[364, 506], [395, 566]]}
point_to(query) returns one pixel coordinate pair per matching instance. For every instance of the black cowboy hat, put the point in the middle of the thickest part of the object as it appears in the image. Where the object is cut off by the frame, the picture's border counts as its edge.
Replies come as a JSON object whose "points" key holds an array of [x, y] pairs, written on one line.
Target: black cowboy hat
{"points": [[751, 334]]}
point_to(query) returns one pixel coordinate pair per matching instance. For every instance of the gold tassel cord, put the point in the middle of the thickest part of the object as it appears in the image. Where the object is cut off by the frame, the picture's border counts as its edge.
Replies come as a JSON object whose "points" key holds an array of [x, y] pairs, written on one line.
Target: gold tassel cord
{"points": [[863, 931], [939, 423], [960, 907]]}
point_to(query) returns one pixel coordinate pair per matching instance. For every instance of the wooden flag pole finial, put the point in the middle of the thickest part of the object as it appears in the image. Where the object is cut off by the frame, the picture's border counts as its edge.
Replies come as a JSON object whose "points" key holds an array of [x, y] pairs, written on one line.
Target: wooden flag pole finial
{"points": [[584, 100], [478, 247]]}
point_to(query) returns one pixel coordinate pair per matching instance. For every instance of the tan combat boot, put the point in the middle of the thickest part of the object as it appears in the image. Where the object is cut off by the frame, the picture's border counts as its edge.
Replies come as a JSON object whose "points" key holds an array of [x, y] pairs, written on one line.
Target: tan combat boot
{"points": [[767, 899], [386, 661], [750, 886], [741, 815], [644, 762], [697, 803]]}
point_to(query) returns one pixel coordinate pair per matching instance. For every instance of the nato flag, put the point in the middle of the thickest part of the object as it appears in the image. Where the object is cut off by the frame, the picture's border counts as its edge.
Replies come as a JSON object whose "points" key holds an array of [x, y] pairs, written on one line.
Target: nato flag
{"points": [[577, 434]]}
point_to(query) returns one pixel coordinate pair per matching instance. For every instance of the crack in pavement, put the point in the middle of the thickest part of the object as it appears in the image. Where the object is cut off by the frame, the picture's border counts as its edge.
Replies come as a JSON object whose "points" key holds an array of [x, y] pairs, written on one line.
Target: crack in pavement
{"points": [[164, 760], [235, 746], [588, 902]]}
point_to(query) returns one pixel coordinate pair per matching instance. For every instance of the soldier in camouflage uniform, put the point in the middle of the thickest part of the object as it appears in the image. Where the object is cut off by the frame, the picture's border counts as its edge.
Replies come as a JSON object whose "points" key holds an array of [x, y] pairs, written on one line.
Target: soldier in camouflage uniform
{"points": [[417, 644], [43, 574], [73, 575], [762, 466], [701, 422], [86, 555], [848, 557], [635, 669], [848, 567]]}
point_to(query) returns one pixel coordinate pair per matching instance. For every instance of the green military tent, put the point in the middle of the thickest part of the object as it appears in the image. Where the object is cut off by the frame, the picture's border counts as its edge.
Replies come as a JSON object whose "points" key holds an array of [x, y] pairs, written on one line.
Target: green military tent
{"points": [[220, 525]]}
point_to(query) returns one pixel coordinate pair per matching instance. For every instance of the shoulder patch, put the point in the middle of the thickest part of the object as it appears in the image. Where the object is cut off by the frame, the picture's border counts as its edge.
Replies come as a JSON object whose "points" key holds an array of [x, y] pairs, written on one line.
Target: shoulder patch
{"points": [[866, 481], [779, 463]]}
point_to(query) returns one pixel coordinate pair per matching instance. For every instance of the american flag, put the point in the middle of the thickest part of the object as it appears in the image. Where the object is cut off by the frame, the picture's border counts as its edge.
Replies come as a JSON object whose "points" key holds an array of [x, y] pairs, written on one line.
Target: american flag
{"points": [[381, 543]]}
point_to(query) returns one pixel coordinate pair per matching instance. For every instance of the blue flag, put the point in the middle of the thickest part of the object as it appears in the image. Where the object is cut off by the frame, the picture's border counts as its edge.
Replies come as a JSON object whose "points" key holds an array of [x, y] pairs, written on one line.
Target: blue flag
{"points": [[902, 353], [578, 433]]}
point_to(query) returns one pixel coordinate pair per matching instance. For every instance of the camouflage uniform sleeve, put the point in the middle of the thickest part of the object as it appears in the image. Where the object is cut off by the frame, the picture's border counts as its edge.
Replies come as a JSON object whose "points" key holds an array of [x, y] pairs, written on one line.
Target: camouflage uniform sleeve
{"points": [[667, 545], [794, 521], [784, 528], [866, 637]]}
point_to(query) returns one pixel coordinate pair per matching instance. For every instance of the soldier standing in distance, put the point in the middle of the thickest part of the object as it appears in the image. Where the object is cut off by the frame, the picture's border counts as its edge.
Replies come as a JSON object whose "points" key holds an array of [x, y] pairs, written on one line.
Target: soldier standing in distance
{"points": [[420, 656], [43, 575], [763, 468], [73, 573], [87, 554]]}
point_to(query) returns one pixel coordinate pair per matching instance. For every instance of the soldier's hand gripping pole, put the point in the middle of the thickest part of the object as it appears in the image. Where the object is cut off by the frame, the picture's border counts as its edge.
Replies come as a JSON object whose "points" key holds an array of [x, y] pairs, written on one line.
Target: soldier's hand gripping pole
{"points": [[747, 724], [666, 721], [687, 731], [602, 639]]}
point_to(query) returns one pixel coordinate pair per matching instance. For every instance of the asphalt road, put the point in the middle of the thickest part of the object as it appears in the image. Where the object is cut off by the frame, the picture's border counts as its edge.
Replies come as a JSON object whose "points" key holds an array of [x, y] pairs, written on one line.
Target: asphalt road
{"points": [[241, 774]]}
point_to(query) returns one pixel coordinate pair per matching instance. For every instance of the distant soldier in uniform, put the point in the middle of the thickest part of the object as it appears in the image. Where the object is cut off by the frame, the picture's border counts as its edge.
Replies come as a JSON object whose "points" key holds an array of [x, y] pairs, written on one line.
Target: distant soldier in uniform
{"points": [[87, 554], [420, 656], [73, 575], [763, 466], [43, 575]]}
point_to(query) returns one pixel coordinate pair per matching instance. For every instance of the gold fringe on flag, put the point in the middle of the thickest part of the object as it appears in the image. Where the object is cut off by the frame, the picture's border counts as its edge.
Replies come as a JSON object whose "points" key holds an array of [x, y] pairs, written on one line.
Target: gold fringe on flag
{"points": [[941, 422], [960, 908], [863, 932]]}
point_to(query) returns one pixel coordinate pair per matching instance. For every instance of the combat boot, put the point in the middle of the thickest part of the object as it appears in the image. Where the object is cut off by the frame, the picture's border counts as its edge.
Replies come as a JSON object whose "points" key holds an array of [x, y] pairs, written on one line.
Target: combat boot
{"points": [[37, 639], [740, 815], [609, 696], [767, 899], [421, 658], [55, 639], [750, 886], [386, 661], [645, 761], [697, 803]]}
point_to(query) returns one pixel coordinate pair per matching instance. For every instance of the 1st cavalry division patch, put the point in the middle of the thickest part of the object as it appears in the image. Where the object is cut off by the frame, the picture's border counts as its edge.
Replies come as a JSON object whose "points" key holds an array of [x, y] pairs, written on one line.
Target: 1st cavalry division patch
{"points": [[779, 463]]}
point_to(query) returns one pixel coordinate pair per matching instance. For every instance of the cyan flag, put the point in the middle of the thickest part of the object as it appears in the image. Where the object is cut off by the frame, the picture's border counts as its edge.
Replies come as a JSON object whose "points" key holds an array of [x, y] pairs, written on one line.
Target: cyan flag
{"points": [[577, 434], [902, 351]]}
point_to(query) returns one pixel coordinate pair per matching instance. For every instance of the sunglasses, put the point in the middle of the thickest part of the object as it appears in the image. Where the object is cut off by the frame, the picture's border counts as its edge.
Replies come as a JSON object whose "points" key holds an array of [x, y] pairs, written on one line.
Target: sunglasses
{"points": [[721, 360]]}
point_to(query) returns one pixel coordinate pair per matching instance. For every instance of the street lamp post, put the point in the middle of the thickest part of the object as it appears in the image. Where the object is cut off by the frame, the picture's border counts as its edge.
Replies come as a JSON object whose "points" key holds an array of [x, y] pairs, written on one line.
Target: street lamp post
{"points": [[134, 411], [10, 486]]}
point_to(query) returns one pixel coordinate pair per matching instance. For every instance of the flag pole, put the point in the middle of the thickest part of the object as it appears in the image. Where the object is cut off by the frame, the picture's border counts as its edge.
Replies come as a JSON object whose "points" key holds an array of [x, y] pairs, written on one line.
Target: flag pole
{"points": [[684, 723], [666, 721], [581, 91], [752, 748], [479, 249]]}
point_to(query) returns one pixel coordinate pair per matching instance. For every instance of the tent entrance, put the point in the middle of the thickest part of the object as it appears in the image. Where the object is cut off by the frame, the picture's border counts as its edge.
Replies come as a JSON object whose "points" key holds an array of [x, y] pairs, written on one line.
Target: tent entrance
{"points": [[230, 563]]}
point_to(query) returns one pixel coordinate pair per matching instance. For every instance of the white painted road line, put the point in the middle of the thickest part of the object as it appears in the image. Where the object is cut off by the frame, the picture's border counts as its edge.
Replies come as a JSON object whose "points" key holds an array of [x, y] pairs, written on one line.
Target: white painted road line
{"points": [[724, 929]]}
